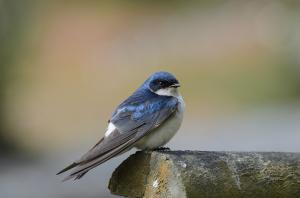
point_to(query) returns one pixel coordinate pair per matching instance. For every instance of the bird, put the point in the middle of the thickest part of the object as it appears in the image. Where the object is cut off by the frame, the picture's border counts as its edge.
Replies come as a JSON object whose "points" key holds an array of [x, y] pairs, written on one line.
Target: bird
{"points": [[146, 120]]}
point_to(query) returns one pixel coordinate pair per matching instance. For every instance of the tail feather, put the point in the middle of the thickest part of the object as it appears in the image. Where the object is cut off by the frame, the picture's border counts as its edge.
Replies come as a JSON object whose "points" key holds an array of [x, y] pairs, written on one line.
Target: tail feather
{"points": [[78, 176], [73, 165], [82, 169], [95, 157]]}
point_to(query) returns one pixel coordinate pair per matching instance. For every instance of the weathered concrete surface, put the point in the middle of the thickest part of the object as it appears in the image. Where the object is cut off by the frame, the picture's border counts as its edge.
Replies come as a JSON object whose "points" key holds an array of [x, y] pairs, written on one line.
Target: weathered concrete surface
{"points": [[196, 174]]}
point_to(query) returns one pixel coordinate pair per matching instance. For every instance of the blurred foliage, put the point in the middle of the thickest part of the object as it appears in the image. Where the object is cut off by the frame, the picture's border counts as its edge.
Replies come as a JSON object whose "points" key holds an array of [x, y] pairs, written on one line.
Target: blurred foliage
{"points": [[58, 59], [65, 65], [12, 17]]}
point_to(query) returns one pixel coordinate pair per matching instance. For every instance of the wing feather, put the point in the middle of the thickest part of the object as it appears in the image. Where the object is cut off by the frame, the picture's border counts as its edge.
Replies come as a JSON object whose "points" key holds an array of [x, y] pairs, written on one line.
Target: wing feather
{"points": [[133, 121]]}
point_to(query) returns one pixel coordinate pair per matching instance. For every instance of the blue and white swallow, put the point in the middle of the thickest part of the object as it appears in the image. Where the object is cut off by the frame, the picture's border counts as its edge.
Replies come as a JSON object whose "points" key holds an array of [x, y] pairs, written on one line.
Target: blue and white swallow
{"points": [[147, 120]]}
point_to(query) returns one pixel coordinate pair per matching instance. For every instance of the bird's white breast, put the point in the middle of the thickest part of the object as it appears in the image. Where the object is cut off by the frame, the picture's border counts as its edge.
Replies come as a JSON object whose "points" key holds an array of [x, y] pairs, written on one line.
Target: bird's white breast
{"points": [[165, 132]]}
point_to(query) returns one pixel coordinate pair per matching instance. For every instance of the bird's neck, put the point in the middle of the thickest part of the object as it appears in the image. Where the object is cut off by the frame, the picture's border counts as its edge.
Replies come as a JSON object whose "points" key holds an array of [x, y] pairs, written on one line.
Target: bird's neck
{"points": [[170, 91]]}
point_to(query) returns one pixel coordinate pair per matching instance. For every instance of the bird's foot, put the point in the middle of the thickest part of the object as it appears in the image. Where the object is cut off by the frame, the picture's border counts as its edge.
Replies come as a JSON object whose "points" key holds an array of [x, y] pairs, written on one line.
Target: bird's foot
{"points": [[162, 149]]}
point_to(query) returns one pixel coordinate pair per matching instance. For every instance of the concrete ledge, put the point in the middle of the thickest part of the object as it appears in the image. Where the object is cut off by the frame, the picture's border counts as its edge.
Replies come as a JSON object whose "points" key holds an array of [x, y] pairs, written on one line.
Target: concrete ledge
{"points": [[196, 174]]}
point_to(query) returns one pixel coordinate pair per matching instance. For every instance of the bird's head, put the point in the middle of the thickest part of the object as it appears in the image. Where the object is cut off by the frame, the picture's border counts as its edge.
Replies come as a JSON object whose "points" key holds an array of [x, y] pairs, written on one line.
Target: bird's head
{"points": [[163, 83]]}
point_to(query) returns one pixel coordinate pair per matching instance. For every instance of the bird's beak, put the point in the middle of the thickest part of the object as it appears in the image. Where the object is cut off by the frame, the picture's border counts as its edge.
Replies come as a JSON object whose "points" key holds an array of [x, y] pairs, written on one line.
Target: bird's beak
{"points": [[175, 85]]}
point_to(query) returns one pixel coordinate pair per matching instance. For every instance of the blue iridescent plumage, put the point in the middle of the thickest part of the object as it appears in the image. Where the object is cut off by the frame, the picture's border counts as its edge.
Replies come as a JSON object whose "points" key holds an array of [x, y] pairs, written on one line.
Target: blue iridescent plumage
{"points": [[134, 119]]}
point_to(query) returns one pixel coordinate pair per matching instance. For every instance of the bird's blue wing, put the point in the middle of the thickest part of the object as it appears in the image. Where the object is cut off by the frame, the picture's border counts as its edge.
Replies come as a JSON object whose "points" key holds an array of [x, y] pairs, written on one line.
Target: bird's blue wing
{"points": [[132, 115], [134, 118]]}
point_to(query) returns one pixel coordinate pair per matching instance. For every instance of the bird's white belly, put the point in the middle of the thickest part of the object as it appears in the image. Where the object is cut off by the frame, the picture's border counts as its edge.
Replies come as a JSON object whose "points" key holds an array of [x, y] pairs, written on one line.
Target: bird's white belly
{"points": [[165, 132]]}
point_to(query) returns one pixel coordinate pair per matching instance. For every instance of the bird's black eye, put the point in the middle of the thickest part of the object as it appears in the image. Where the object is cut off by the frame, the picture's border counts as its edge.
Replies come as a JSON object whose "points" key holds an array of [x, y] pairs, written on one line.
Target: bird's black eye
{"points": [[162, 83]]}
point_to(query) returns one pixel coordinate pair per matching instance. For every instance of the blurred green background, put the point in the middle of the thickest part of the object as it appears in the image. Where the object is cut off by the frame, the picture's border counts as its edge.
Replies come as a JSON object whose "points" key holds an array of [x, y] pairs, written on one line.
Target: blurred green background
{"points": [[65, 66]]}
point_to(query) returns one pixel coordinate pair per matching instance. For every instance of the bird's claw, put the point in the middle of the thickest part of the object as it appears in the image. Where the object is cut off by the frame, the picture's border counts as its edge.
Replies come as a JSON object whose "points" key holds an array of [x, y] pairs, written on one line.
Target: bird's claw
{"points": [[162, 149]]}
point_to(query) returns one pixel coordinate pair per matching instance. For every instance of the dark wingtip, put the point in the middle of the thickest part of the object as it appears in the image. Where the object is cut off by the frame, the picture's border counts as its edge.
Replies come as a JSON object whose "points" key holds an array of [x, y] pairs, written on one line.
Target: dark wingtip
{"points": [[67, 178], [74, 176], [67, 168]]}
